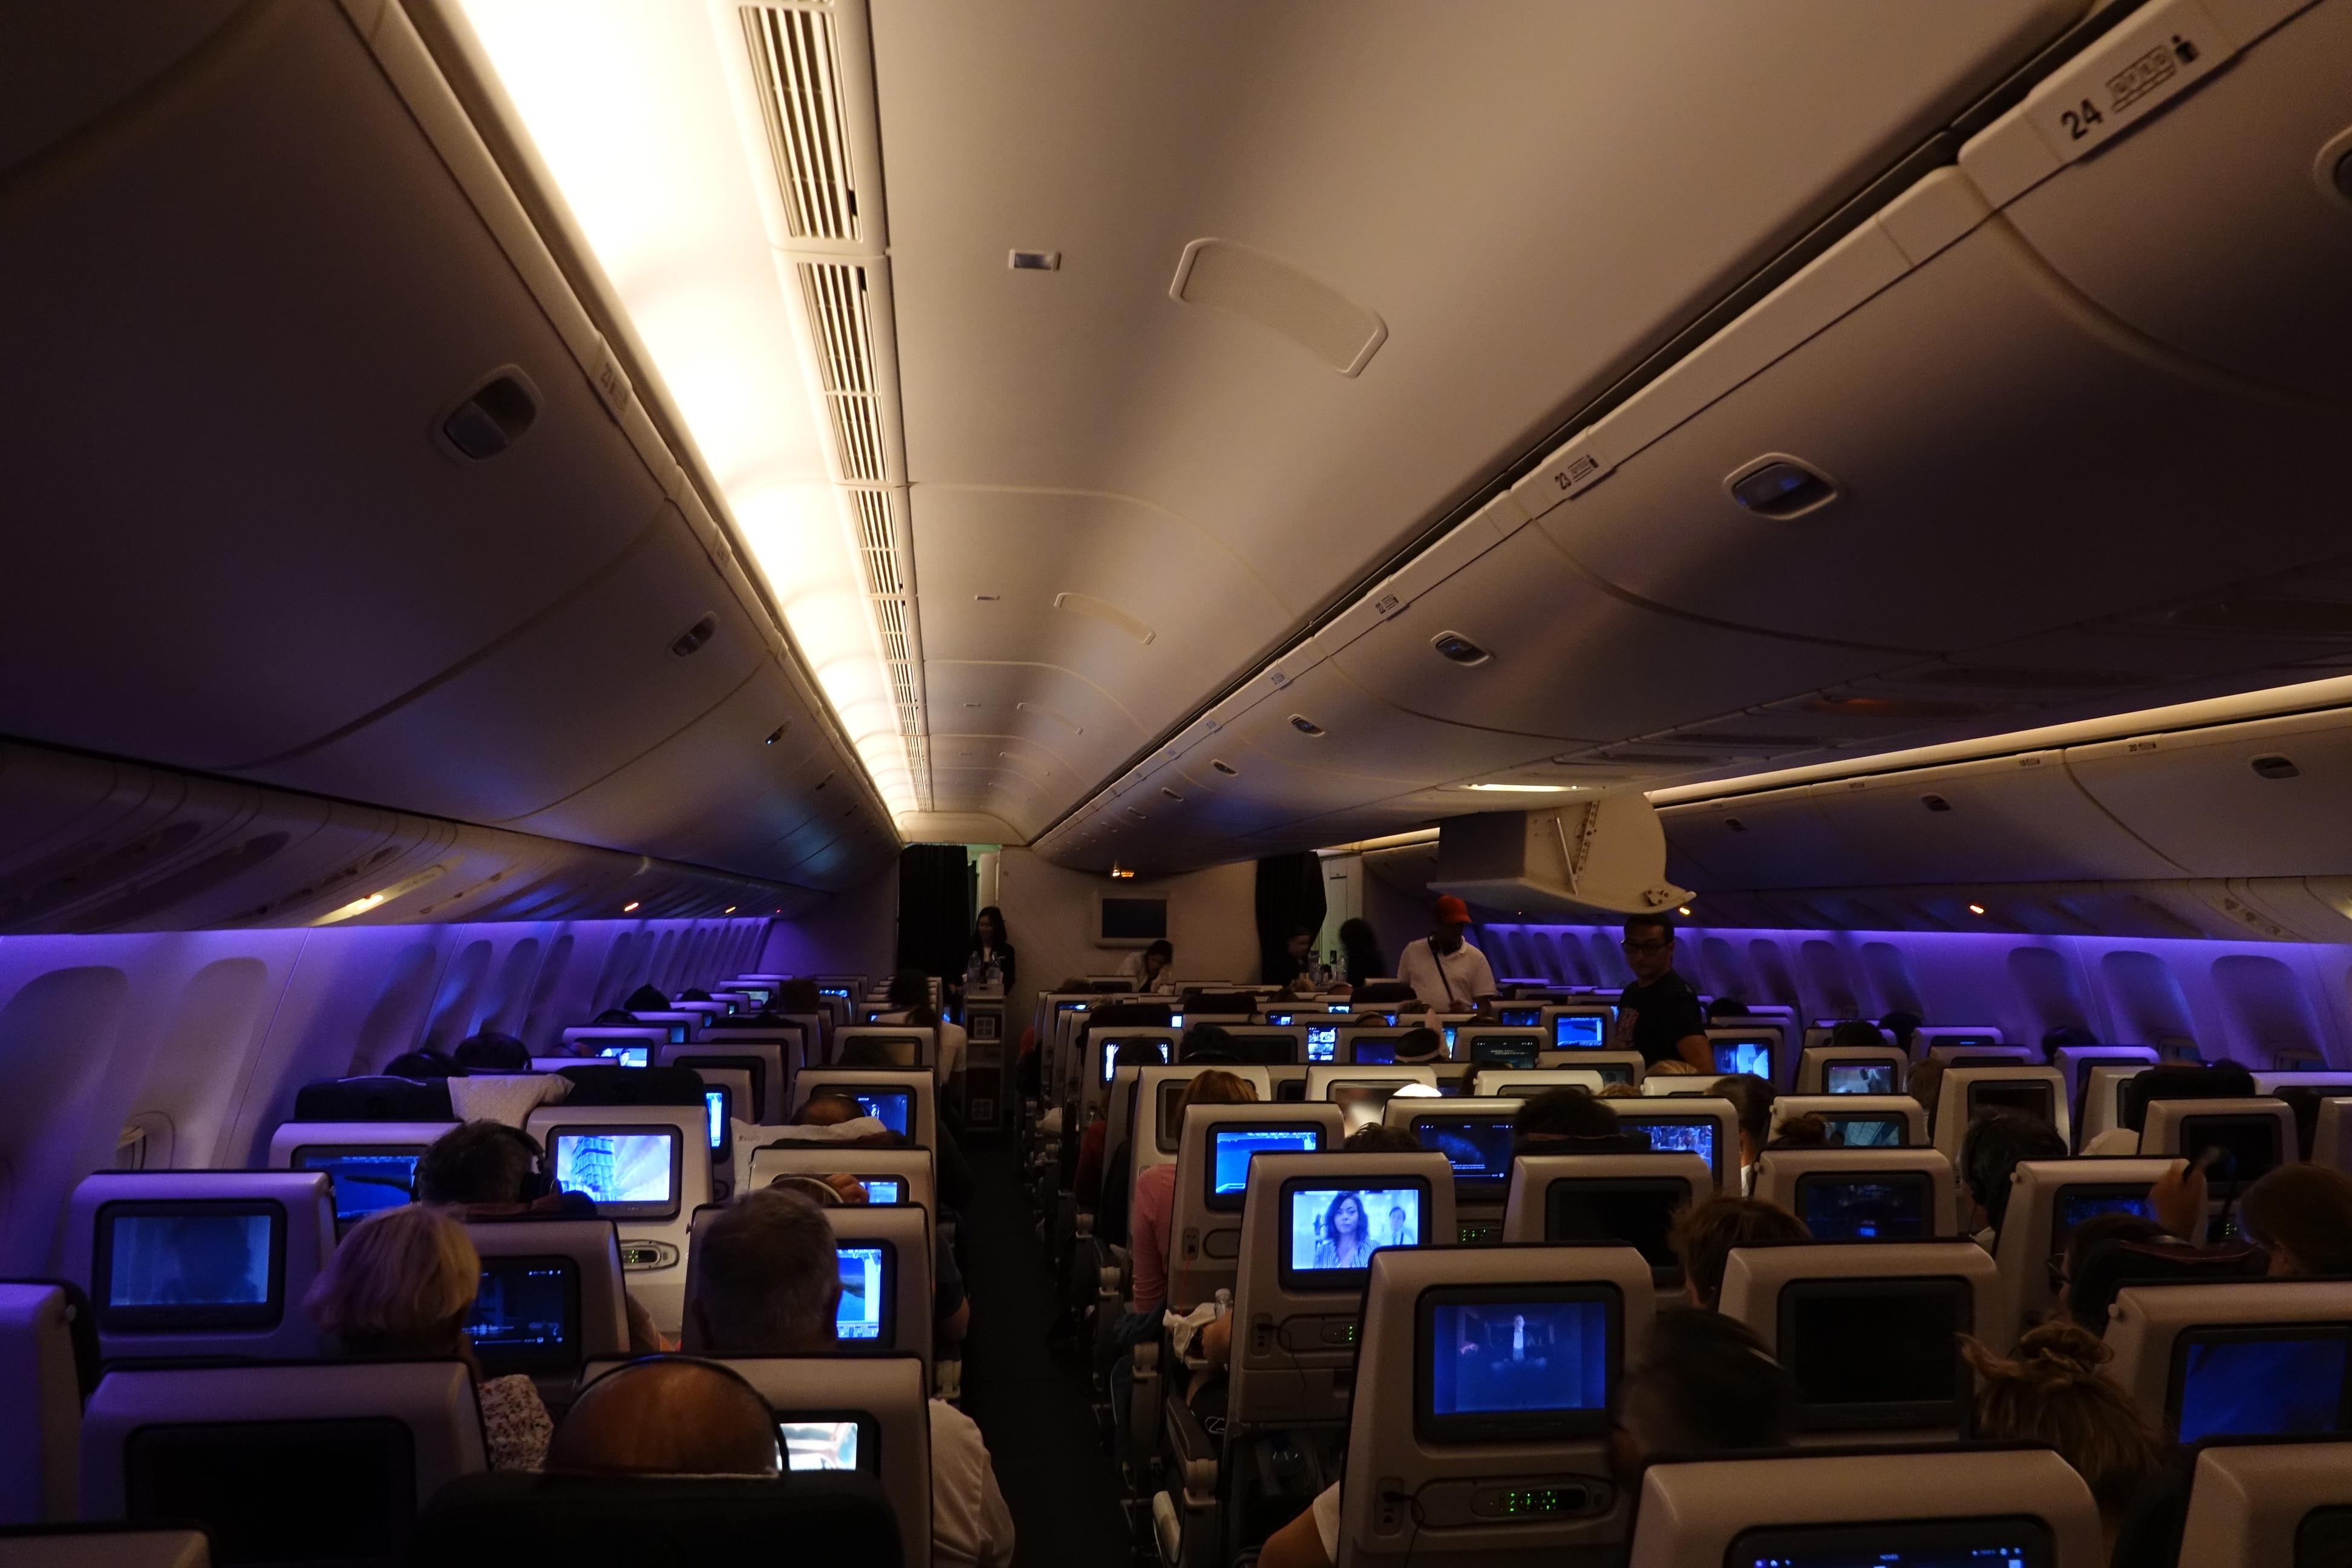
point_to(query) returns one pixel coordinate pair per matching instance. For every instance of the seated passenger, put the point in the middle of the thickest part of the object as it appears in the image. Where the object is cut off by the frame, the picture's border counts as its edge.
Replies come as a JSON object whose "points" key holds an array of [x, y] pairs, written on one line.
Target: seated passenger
{"points": [[694, 993], [1705, 1386], [613, 1017], [1152, 1208], [1704, 1234], [1726, 1007], [1086, 1182], [490, 1051], [1751, 1099], [911, 1003], [2302, 1217], [2065, 1035], [1571, 1120], [1996, 1142], [1672, 1067], [2050, 1390], [2113, 1226], [1905, 1027], [421, 1064], [402, 1284], [645, 999], [1153, 969], [767, 1284], [669, 1416], [951, 1303], [1806, 1131], [837, 1119], [1620, 1091], [1925, 1082], [1420, 1045], [1854, 1033], [1207, 1042]]}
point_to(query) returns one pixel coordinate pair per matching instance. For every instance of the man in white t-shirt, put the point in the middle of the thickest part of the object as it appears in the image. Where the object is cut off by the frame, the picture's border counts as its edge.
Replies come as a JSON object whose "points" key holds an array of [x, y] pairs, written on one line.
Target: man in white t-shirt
{"points": [[766, 1283], [1446, 972]]}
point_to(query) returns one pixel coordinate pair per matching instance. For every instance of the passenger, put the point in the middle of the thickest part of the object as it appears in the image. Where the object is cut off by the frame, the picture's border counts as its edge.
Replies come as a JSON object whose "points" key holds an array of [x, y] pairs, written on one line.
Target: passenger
{"points": [[950, 1302], [1854, 1033], [2070, 1036], [1360, 950], [1445, 971], [1208, 1043], [848, 1125], [1152, 1207], [1153, 969], [1705, 1384], [1727, 1007], [1905, 1027], [799, 998], [1925, 1084], [1620, 1091], [669, 1416], [766, 1283], [1705, 1235], [614, 1017], [2052, 1392], [1659, 1014], [1419, 1046], [421, 1064], [694, 993], [490, 1051], [645, 999], [990, 948], [1752, 1099], [1806, 1131], [1293, 966], [2113, 1227], [2302, 1217], [911, 1003], [402, 1284], [1672, 1067], [1996, 1142], [1571, 1120], [1378, 1138]]}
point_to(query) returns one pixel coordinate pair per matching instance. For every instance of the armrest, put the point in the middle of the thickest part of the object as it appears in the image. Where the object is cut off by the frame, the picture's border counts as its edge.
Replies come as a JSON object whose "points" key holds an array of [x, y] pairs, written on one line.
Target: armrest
{"points": [[1195, 1453]]}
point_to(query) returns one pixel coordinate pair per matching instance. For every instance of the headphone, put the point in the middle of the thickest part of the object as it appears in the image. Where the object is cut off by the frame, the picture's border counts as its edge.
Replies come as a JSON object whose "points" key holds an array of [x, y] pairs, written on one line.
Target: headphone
{"points": [[538, 1182]]}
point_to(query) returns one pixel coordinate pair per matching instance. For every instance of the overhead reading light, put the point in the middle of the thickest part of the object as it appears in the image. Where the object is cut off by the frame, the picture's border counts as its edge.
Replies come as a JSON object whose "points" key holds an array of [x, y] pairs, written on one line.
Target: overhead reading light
{"points": [[1226, 768], [628, 907], [1035, 261], [1459, 648], [728, 911], [1122, 875], [494, 417], [1304, 725], [1976, 909], [1779, 487], [1684, 911]]}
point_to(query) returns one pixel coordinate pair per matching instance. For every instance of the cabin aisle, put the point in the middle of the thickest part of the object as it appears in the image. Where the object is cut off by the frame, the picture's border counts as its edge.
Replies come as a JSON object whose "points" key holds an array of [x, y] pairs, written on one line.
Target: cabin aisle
{"points": [[1034, 1408]]}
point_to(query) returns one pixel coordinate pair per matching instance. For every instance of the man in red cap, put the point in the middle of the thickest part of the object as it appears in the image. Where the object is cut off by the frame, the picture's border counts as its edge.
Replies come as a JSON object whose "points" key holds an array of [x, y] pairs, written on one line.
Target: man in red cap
{"points": [[1447, 973]]}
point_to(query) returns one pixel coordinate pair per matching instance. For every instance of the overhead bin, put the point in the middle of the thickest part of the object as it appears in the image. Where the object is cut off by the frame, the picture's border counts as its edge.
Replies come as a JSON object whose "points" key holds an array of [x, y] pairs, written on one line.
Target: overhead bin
{"points": [[2264, 798]]}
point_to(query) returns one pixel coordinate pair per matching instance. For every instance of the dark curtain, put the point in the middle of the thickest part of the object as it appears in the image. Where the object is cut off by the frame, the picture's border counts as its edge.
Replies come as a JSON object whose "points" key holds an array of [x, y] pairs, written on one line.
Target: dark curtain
{"points": [[935, 910], [1289, 895]]}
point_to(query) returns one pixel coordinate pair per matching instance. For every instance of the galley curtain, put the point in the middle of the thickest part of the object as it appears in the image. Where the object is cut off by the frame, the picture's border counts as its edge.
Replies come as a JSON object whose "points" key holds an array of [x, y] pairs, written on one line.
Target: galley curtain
{"points": [[934, 908], [1289, 895]]}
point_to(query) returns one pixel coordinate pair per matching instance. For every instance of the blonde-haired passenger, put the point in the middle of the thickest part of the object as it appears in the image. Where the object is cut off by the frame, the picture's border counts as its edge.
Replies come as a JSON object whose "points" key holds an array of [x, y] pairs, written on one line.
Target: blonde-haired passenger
{"points": [[402, 1284], [2052, 1391]]}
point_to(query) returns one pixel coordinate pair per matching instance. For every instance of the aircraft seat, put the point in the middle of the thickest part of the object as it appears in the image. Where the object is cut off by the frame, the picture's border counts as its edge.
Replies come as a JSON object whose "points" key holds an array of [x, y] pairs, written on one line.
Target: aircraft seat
{"points": [[1477, 1136], [1102, 1055], [1525, 1083], [1851, 1069], [2076, 1062], [1878, 1195], [323, 1461], [904, 1099], [1270, 1045], [1703, 1125], [2331, 1138], [2253, 1357], [531, 1259], [1479, 1429], [49, 1355], [1968, 1092], [1498, 1045], [1929, 1504], [1160, 1089], [762, 1062], [591, 1040], [211, 1263], [369, 1164], [2047, 1199], [889, 1247], [1869, 1330], [600, 1083], [912, 1168], [648, 1169], [499, 1521], [1611, 1066], [1362, 1093], [1629, 1199], [910, 1047], [1215, 1150], [2101, 1097], [1764, 1052], [2257, 1136], [374, 1098], [106, 1545], [1657, 1085], [869, 1415], [2251, 1505], [1857, 1120], [1955, 1052]]}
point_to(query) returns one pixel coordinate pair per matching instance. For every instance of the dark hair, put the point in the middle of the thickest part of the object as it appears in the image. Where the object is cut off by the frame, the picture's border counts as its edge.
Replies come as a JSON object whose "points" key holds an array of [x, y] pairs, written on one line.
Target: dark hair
{"points": [[2116, 1224], [799, 996], [1207, 1042], [1752, 1098], [990, 913], [478, 1163], [2065, 1035], [1163, 948], [1420, 1043], [1806, 1131], [1713, 1384], [1134, 1053], [1663, 923], [2307, 1210], [1570, 1112], [491, 1051], [2105, 1271], [421, 1064], [1991, 1149], [1705, 1235], [866, 1052], [645, 999], [1726, 1007], [1376, 1138], [911, 988], [694, 993], [615, 1015], [1902, 1025], [1356, 935], [1854, 1033]]}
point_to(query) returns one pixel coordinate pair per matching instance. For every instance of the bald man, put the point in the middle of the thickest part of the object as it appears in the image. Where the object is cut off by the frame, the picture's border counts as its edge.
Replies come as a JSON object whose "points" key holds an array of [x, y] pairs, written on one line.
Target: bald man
{"points": [[667, 1416]]}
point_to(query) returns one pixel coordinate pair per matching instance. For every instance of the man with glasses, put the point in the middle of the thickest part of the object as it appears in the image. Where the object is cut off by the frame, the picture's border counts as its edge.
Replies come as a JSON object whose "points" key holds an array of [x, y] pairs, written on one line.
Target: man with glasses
{"points": [[1659, 1014]]}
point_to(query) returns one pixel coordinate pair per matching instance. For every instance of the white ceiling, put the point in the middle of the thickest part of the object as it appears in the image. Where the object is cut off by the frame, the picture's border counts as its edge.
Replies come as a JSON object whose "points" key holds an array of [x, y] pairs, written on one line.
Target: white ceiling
{"points": [[1531, 197]]}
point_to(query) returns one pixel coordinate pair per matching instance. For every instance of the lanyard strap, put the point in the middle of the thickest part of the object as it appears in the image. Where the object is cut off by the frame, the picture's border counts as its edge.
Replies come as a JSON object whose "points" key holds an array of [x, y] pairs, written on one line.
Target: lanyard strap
{"points": [[1442, 978]]}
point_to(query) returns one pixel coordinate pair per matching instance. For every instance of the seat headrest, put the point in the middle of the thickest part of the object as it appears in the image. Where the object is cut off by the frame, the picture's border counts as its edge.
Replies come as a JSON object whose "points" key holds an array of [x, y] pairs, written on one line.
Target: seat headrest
{"points": [[498, 1520], [81, 1327], [2112, 1266], [1131, 1016], [598, 1084], [2223, 1080], [374, 1099]]}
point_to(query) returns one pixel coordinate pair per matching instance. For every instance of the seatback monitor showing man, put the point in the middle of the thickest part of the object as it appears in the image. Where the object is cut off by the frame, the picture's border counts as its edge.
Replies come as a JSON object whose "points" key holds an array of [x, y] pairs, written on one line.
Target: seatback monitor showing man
{"points": [[1659, 1014]]}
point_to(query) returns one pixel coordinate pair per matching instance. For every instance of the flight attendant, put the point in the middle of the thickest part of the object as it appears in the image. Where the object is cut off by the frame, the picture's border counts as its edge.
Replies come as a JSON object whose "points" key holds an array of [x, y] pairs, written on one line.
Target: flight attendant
{"points": [[1659, 1014]]}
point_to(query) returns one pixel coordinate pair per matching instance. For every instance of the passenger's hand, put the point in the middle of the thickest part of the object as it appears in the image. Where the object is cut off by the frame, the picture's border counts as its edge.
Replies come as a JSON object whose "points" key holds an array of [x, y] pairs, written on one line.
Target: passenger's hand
{"points": [[643, 1337], [851, 1189], [2177, 1196]]}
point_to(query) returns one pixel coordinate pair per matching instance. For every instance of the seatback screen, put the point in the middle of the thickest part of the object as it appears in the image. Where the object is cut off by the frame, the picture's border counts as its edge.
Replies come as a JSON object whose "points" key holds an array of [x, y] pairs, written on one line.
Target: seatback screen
{"points": [[893, 1108], [1322, 1042], [167, 1266], [715, 1111], [2276, 1380], [637, 1056], [365, 1176], [863, 1319], [1877, 1352], [1744, 1056], [1675, 1136], [526, 1316], [1858, 1078], [882, 1189], [1578, 1031], [1504, 1050], [2010, 1542], [1264, 1050], [1864, 1132], [1478, 1147], [1373, 1053], [1111, 1048], [632, 1173], [1231, 1150], [2248, 1146], [2030, 1096], [1520, 1017], [820, 1445], [2074, 1205], [1878, 1206], [1637, 1210], [1330, 1231], [1503, 1363]]}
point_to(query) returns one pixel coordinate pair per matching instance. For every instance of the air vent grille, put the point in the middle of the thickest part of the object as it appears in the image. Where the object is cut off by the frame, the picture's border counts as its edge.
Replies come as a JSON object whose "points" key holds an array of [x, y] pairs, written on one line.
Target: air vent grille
{"points": [[839, 315], [878, 544], [796, 57]]}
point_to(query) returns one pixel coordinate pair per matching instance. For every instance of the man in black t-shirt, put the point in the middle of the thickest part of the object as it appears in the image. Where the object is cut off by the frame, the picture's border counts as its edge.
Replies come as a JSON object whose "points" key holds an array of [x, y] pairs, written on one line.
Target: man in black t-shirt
{"points": [[1659, 1014]]}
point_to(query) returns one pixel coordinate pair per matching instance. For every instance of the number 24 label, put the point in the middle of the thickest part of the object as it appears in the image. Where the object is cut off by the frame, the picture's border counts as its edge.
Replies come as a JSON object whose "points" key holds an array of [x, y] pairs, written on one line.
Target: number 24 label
{"points": [[2079, 119]]}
